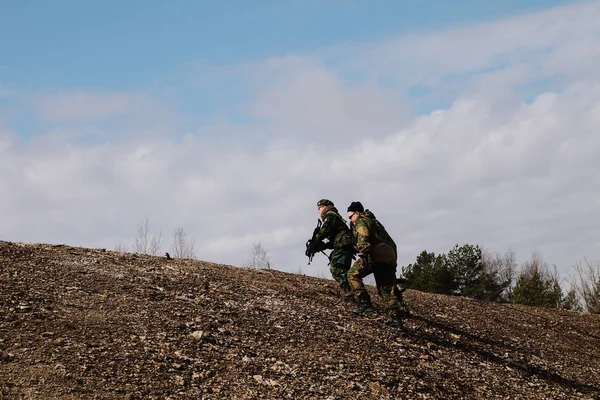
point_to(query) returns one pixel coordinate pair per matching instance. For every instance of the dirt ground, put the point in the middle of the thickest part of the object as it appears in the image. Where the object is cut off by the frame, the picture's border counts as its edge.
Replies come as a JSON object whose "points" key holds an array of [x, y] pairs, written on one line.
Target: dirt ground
{"points": [[79, 323]]}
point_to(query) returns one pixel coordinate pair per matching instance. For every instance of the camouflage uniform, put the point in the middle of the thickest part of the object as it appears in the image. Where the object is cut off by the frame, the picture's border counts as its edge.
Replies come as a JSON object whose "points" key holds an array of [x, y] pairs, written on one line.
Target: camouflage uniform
{"points": [[377, 255], [339, 237]]}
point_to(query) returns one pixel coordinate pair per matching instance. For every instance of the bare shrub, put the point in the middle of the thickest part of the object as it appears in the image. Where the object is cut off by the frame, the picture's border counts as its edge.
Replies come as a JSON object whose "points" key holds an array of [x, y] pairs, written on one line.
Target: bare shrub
{"points": [[503, 268], [183, 246], [121, 248], [147, 242], [587, 284], [258, 258]]}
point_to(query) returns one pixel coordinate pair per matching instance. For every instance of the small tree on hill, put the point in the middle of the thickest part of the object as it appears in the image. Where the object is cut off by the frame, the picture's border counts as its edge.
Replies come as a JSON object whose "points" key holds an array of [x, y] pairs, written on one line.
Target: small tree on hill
{"points": [[182, 246], [499, 274], [571, 300], [587, 285], [121, 248], [258, 258], [537, 286], [467, 269], [147, 242]]}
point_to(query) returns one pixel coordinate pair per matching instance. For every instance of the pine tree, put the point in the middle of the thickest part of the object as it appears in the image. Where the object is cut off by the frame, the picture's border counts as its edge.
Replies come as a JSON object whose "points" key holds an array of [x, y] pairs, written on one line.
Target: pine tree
{"points": [[536, 286]]}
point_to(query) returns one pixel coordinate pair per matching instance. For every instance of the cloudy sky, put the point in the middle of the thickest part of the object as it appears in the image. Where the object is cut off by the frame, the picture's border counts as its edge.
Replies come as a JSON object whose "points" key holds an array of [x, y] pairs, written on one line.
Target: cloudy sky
{"points": [[454, 122]]}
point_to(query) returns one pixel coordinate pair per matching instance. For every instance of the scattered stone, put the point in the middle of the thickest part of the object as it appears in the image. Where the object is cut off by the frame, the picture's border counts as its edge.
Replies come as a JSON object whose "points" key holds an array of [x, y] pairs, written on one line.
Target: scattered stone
{"points": [[179, 380], [162, 334]]}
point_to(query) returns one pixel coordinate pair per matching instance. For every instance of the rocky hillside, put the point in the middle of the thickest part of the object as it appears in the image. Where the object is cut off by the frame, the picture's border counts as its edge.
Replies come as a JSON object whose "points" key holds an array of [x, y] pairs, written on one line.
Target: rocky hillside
{"points": [[80, 323]]}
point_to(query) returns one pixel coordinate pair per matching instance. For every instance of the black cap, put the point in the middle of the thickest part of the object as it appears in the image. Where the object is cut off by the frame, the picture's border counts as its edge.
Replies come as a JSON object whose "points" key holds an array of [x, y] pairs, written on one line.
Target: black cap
{"points": [[356, 206]]}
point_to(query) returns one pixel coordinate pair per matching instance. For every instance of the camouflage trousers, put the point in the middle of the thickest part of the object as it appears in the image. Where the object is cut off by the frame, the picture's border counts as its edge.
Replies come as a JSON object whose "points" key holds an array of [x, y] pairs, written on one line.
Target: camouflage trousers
{"points": [[339, 263], [385, 279]]}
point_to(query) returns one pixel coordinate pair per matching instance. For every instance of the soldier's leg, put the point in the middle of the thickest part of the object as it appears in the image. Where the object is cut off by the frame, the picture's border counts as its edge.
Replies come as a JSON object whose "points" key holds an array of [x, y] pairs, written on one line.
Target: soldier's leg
{"points": [[385, 279], [356, 273], [339, 265]]}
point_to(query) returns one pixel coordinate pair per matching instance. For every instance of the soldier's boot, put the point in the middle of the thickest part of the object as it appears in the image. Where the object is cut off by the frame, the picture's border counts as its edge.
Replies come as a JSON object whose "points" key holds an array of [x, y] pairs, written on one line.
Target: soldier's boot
{"points": [[347, 294], [348, 297], [395, 319], [364, 305]]}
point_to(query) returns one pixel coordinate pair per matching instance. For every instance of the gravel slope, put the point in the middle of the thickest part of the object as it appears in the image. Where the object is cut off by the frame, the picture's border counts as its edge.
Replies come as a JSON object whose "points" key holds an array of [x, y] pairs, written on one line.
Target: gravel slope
{"points": [[80, 323]]}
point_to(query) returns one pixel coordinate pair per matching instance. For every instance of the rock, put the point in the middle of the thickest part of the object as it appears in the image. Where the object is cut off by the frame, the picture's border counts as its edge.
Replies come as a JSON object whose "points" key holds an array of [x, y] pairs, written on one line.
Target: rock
{"points": [[198, 335], [179, 380]]}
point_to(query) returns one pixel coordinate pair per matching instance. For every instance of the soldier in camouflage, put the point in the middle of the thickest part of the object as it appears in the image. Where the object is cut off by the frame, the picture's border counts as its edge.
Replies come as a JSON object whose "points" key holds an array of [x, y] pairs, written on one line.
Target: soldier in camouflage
{"points": [[339, 238], [378, 256]]}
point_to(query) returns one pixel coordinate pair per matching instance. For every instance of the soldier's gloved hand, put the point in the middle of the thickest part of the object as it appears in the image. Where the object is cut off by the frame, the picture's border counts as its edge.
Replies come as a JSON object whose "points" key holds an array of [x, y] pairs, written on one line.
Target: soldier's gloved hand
{"points": [[320, 246], [310, 248]]}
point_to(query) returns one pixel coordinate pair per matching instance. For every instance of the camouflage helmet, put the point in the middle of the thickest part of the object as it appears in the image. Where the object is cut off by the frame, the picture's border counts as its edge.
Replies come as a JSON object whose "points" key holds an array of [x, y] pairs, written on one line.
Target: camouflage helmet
{"points": [[324, 203]]}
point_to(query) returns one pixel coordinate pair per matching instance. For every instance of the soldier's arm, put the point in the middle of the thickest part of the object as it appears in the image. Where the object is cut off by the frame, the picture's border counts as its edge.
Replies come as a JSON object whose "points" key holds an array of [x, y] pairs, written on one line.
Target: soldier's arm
{"points": [[326, 229], [362, 239]]}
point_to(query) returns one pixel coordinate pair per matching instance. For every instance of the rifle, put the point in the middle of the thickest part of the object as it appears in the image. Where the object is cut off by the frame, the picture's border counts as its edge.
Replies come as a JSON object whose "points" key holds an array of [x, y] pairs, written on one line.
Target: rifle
{"points": [[313, 246]]}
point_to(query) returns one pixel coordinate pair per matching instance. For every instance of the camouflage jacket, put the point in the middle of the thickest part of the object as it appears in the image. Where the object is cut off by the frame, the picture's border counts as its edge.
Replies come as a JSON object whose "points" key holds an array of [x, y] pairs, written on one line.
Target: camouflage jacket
{"points": [[335, 230], [373, 241]]}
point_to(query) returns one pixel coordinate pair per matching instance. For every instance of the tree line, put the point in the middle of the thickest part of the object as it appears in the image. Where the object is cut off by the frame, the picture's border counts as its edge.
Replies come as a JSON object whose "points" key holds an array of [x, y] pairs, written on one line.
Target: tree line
{"points": [[469, 271]]}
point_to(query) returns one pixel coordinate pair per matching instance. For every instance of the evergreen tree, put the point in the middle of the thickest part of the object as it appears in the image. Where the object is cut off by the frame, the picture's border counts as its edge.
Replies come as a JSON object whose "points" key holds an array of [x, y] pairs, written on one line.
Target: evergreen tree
{"points": [[536, 286], [430, 273], [571, 301], [467, 270]]}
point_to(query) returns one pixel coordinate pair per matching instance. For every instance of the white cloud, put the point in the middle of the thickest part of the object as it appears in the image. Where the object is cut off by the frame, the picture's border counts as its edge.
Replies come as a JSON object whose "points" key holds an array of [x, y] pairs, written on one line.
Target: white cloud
{"points": [[498, 167], [308, 100], [540, 43]]}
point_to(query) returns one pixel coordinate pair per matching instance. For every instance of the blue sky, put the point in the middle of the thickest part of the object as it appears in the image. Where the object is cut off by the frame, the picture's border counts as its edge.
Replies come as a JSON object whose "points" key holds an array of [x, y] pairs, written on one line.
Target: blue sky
{"points": [[163, 47], [131, 45], [455, 122]]}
